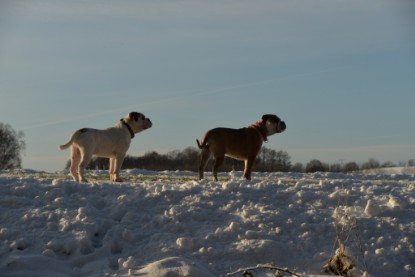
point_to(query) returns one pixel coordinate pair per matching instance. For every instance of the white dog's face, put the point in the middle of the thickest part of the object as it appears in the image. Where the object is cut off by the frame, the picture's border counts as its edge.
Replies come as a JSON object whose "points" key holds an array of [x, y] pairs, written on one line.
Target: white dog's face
{"points": [[138, 121], [273, 124]]}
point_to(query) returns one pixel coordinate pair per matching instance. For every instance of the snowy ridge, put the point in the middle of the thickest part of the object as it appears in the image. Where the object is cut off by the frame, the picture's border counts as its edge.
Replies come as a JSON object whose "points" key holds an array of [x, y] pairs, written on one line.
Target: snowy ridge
{"points": [[170, 224], [408, 170]]}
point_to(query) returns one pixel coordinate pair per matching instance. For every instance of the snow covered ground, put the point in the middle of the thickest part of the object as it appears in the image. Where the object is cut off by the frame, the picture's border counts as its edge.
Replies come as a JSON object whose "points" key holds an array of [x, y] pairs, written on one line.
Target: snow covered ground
{"points": [[170, 224]]}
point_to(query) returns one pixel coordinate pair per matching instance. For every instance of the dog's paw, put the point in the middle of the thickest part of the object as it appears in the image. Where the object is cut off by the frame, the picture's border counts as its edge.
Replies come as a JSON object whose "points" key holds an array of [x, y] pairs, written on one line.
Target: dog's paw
{"points": [[116, 179]]}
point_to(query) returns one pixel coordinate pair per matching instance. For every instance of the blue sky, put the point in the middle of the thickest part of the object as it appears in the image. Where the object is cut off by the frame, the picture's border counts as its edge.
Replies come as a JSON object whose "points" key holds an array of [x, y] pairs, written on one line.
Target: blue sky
{"points": [[340, 73]]}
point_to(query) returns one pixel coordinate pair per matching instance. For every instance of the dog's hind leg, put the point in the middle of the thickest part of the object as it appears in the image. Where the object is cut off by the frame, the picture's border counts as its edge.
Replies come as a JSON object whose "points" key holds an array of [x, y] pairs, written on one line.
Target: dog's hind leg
{"points": [[218, 162], [203, 160], [85, 159], [75, 160]]}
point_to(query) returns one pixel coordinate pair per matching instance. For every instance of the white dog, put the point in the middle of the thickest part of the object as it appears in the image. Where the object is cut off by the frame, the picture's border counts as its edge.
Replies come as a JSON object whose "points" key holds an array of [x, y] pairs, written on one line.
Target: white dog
{"points": [[111, 143]]}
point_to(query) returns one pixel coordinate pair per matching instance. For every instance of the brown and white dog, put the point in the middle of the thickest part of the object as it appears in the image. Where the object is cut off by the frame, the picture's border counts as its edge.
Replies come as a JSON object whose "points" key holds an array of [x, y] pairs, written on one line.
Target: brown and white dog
{"points": [[111, 143], [241, 144]]}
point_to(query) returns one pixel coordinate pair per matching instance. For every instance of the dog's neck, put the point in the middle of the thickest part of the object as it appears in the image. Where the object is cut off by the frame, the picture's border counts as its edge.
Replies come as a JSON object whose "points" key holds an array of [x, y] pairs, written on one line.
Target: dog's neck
{"points": [[259, 126], [128, 127]]}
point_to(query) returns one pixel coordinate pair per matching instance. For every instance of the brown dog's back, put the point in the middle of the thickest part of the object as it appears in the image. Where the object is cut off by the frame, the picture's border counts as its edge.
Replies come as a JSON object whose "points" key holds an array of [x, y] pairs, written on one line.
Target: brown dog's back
{"points": [[239, 144]]}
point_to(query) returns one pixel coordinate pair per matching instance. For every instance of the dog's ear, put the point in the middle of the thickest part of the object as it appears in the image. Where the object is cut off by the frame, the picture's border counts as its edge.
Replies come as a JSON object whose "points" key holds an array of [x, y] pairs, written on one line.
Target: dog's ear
{"points": [[270, 117], [134, 116], [265, 118]]}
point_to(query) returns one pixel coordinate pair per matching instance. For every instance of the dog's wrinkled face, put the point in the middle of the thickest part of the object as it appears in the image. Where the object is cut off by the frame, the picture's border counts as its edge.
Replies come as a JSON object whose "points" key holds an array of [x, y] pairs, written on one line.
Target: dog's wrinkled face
{"points": [[273, 124], [138, 121]]}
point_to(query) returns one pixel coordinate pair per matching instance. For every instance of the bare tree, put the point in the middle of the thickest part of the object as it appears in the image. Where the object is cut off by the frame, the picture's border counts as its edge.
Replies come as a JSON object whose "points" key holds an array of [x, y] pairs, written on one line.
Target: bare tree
{"points": [[388, 164], [283, 161], [370, 164], [350, 167], [11, 146], [335, 167], [271, 160], [297, 167], [315, 166]]}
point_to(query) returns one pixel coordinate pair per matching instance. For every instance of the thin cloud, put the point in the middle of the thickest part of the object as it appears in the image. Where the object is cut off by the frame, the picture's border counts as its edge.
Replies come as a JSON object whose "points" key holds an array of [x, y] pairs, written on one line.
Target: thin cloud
{"points": [[151, 9], [171, 98]]}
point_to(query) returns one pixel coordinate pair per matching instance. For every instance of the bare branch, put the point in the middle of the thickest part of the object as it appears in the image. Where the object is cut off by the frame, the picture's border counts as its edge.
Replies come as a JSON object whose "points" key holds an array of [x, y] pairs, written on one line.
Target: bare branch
{"points": [[263, 267]]}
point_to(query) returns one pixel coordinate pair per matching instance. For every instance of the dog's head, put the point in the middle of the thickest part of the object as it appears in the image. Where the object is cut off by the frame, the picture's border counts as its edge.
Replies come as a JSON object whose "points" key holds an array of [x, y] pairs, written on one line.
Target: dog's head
{"points": [[138, 121], [273, 124]]}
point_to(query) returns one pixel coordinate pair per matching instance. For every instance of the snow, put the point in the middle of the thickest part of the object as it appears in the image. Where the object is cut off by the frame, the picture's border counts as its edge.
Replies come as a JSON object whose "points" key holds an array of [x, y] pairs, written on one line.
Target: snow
{"points": [[171, 224]]}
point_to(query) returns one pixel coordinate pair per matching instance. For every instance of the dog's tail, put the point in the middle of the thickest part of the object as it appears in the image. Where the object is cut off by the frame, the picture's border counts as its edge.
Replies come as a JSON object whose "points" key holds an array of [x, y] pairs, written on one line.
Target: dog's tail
{"points": [[205, 141], [202, 145], [199, 145], [73, 138], [64, 146]]}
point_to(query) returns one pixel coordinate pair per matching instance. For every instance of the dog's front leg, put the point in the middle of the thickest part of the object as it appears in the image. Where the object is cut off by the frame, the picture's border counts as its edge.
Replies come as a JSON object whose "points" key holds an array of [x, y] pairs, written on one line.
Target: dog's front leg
{"points": [[115, 168], [112, 170], [248, 166]]}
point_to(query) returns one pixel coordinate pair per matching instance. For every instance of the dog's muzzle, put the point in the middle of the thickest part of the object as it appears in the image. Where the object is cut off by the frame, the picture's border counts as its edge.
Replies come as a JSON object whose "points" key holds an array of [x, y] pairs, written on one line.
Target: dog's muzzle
{"points": [[281, 127], [148, 124]]}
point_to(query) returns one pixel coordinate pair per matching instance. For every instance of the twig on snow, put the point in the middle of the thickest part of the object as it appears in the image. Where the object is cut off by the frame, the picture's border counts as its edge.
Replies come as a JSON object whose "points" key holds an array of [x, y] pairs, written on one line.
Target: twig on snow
{"points": [[246, 271]]}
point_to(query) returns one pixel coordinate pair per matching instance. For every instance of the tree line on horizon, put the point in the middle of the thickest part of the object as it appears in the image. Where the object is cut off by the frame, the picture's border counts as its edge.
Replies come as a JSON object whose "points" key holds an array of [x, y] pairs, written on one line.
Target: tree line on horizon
{"points": [[12, 145], [268, 160]]}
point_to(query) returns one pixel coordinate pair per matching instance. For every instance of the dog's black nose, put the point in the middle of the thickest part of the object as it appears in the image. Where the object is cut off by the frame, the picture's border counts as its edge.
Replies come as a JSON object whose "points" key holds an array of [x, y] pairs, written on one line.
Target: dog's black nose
{"points": [[282, 125]]}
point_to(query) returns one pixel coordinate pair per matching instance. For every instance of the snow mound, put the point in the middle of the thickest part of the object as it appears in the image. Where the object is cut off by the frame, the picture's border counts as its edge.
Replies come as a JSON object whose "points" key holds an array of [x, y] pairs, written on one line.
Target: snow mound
{"points": [[171, 224], [174, 267]]}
